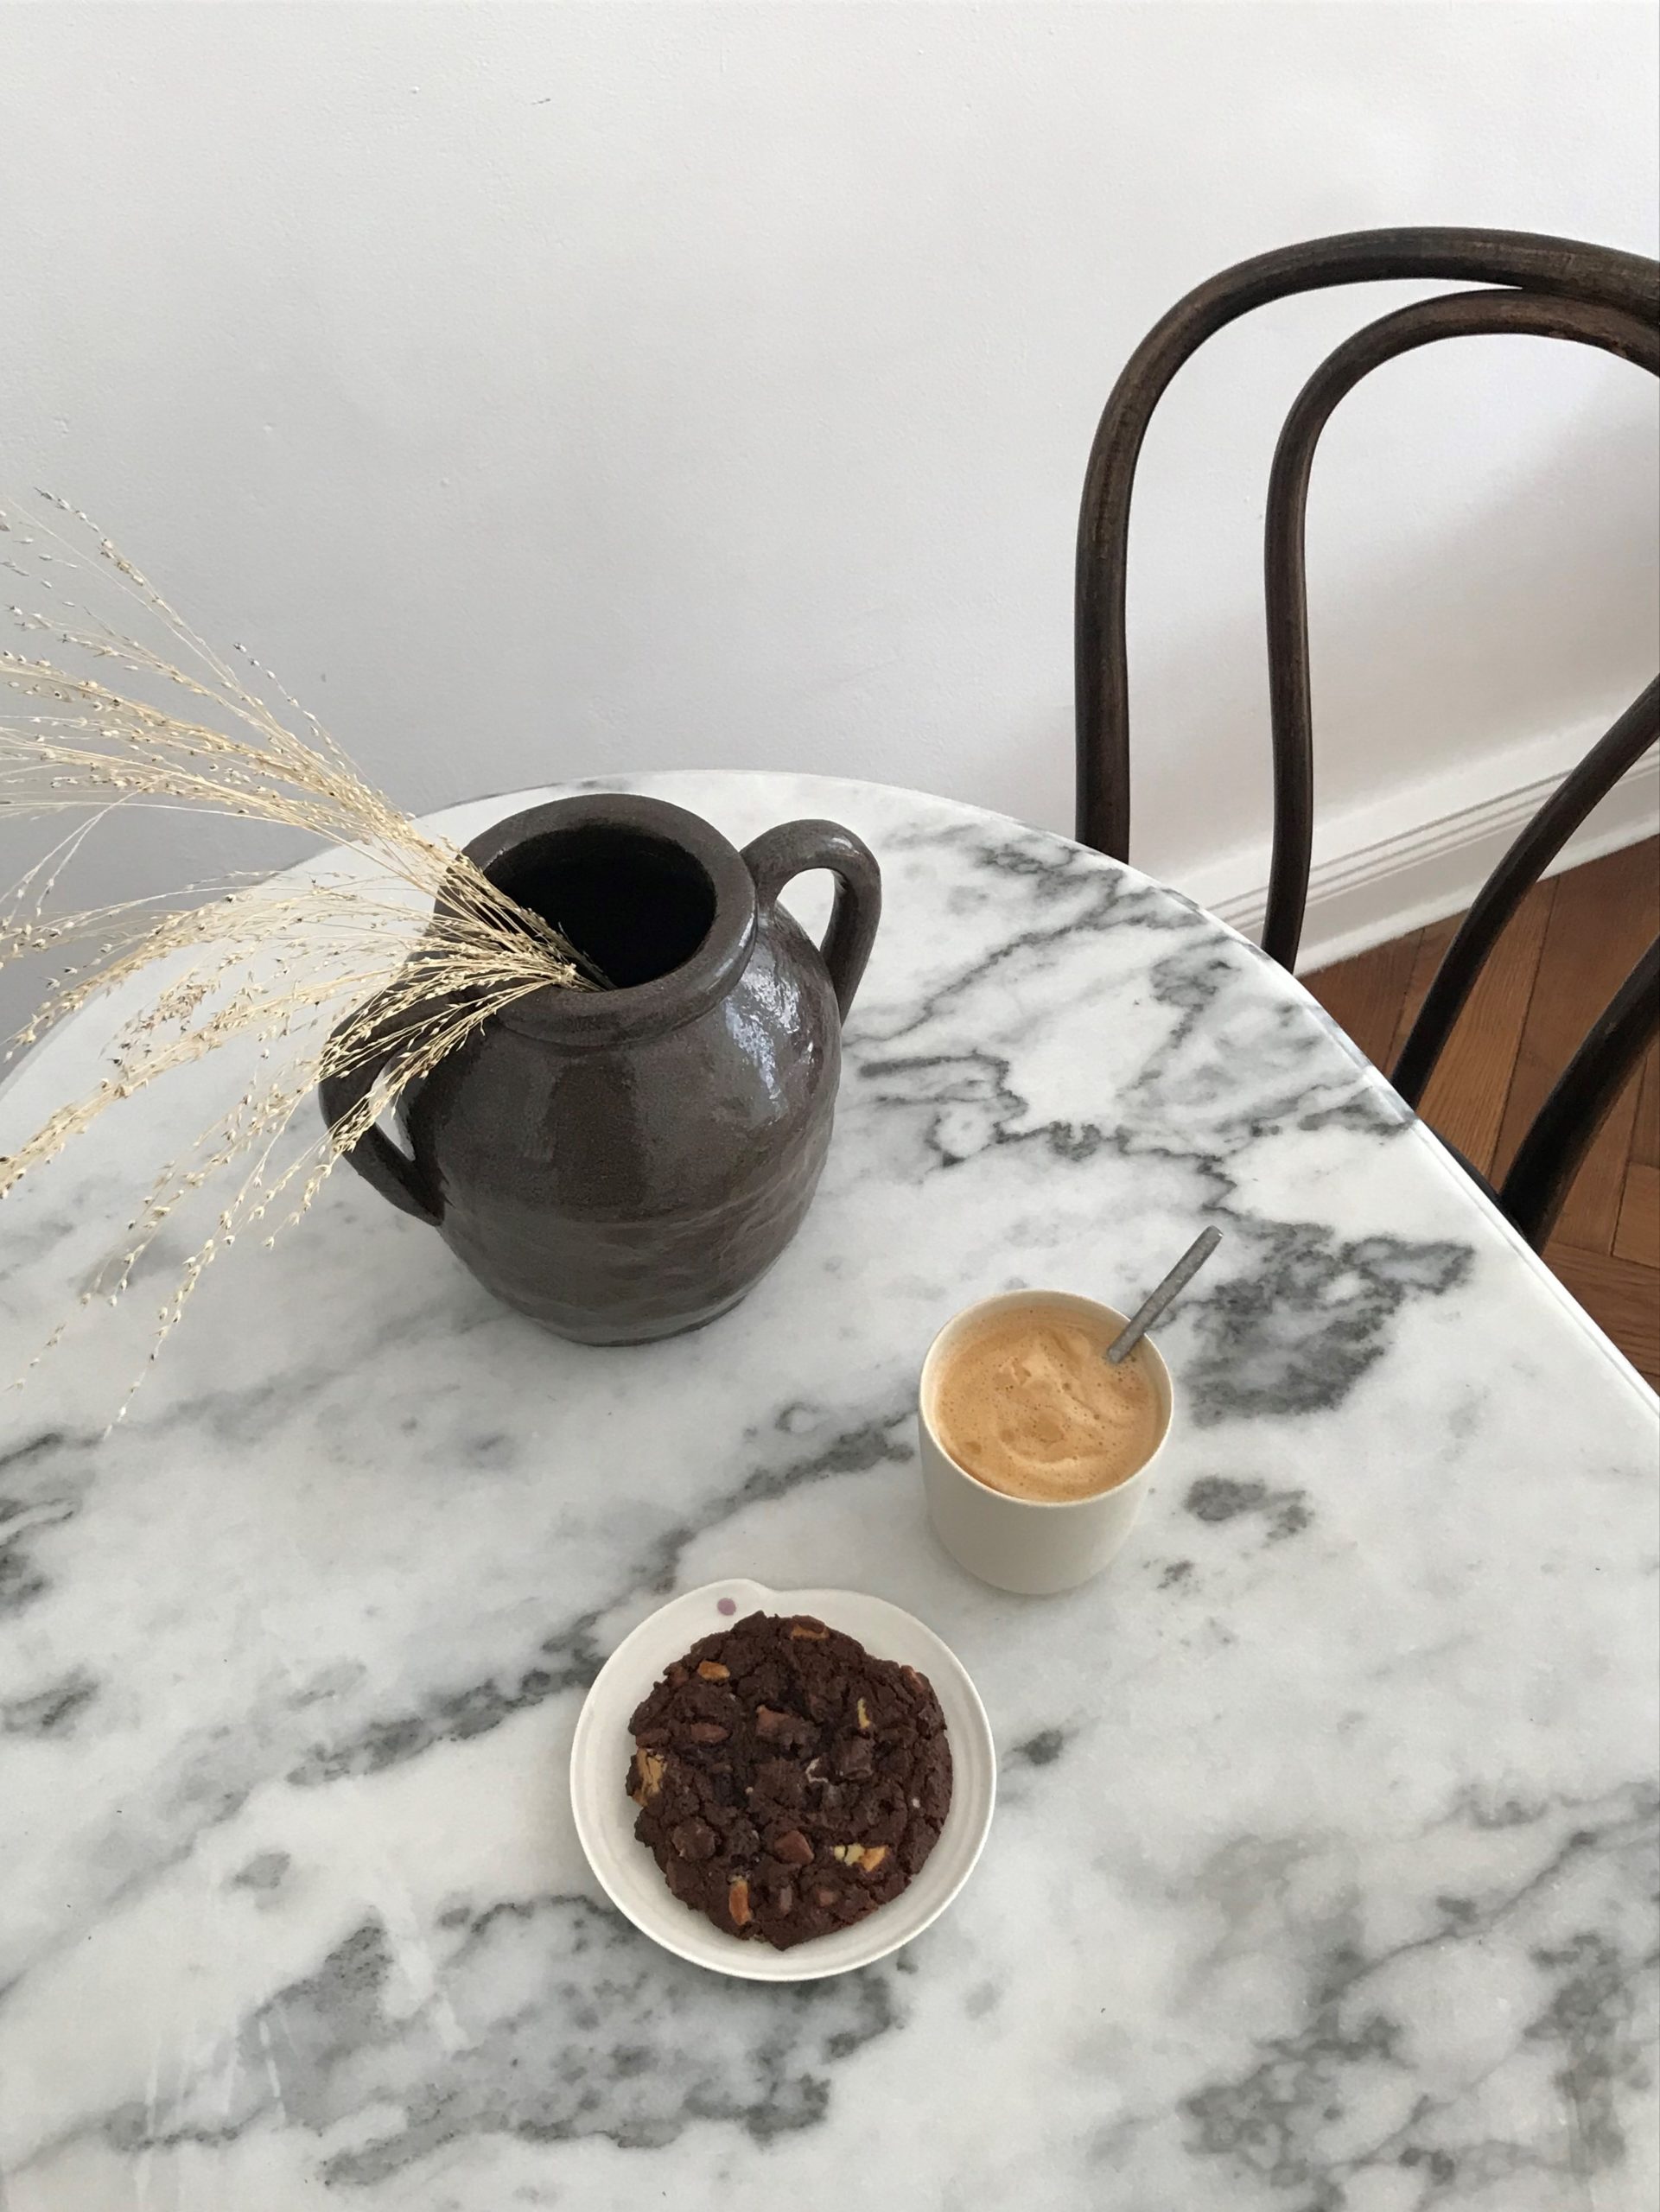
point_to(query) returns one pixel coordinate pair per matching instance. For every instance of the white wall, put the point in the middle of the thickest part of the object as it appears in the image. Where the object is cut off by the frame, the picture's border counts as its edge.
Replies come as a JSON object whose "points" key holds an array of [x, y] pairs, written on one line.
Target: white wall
{"points": [[551, 390]]}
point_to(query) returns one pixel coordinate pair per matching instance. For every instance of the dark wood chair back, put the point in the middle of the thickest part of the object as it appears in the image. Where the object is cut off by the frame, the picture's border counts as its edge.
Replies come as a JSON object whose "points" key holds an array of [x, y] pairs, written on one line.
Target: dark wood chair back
{"points": [[1545, 287]]}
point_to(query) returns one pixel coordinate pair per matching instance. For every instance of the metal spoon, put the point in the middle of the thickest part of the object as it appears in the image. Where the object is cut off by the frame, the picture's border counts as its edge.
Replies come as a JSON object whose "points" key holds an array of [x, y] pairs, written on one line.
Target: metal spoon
{"points": [[1155, 1303]]}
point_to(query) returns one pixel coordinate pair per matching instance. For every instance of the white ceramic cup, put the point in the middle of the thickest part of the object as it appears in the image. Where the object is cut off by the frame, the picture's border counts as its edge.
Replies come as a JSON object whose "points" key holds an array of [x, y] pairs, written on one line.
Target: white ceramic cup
{"points": [[1036, 1547]]}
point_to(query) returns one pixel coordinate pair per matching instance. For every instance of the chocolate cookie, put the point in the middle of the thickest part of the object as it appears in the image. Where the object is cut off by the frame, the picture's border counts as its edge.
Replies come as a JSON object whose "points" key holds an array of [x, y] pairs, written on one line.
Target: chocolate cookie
{"points": [[788, 1783]]}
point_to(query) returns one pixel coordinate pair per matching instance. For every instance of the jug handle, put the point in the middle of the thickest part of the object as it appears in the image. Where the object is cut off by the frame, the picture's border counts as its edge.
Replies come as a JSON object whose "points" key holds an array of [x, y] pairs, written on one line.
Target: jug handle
{"points": [[375, 1157], [795, 847]]}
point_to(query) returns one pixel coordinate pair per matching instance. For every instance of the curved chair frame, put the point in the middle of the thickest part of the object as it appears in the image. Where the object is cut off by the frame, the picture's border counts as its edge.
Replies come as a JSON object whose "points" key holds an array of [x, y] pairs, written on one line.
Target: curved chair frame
{"points": [[1542, 287]]}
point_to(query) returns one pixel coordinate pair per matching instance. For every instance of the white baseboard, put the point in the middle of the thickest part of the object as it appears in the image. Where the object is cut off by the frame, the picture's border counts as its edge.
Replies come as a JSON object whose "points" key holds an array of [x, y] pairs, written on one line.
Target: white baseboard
{"points": [[1422, 853]]}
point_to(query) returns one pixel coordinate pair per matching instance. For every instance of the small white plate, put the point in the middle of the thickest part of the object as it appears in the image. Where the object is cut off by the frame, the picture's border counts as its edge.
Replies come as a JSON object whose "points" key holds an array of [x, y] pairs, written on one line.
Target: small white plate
{"points": [[605, 1814]]}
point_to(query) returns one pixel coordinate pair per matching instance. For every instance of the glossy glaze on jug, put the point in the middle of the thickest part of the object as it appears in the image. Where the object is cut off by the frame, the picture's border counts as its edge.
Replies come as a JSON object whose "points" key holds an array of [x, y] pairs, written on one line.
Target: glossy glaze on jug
{"points": [[625, 1164]]}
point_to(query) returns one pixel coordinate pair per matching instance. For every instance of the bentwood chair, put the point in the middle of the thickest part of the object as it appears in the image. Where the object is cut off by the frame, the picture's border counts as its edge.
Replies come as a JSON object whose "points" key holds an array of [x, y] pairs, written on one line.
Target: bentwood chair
{"points": [[1542, 287]]}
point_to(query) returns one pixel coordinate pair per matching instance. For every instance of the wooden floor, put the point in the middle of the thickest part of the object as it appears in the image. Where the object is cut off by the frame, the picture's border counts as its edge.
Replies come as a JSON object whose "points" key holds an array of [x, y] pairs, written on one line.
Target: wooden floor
{"points": [[1550, 975]]}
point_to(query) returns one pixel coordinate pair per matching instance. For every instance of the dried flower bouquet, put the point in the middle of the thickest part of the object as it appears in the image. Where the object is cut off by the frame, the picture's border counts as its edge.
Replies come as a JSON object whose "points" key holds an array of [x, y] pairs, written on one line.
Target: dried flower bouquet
{"points": [[387, 958]]}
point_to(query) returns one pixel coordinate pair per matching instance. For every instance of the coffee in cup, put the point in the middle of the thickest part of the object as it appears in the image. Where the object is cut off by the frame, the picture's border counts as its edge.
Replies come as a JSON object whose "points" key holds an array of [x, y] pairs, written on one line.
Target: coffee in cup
{"points": [[1026, 1401], [1036, 1452]]}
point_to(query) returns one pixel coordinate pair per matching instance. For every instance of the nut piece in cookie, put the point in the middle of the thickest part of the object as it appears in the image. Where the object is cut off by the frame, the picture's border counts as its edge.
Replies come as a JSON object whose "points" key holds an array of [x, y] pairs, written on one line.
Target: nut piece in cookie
{"points": [[648, 1769]]}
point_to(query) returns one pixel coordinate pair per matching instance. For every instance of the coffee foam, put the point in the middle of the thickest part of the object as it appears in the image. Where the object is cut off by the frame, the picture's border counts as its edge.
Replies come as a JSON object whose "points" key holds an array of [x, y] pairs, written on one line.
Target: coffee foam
{"points": [[1028, 1404]]}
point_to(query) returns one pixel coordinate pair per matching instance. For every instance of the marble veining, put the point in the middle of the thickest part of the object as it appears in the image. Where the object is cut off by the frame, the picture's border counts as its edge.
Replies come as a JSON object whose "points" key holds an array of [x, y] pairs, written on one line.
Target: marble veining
{"points": [[1324, 1873]]}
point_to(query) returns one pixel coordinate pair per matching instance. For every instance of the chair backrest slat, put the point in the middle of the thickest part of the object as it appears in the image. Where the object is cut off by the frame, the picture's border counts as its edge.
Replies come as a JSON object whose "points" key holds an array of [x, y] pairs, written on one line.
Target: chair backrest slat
{"points": [[1457, 315], [1521, 868], [1564, 267], [1549, 1154]]}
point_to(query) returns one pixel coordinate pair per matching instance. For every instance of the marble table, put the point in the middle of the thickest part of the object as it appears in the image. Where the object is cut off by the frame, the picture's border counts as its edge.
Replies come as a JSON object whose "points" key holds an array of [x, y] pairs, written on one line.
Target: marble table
{"points": [[1322, 1878]]}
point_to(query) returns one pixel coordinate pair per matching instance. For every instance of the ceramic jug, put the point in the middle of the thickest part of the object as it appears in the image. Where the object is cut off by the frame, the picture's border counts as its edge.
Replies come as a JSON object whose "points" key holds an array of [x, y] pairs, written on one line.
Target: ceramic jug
{"points": [[624, 1164]]}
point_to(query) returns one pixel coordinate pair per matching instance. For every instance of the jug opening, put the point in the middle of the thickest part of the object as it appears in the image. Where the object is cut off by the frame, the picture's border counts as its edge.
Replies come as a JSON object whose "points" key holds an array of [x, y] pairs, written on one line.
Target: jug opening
{"points": [[639, 906]]}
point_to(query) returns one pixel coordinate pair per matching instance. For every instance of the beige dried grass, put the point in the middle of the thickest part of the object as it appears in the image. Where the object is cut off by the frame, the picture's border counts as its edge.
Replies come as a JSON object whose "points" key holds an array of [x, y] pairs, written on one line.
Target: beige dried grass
{"points": [[375, 970]]}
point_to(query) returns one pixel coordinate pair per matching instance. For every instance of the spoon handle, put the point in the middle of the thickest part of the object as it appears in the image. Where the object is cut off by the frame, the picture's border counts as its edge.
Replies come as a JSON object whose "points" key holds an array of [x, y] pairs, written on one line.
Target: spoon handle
{"points": [[1155, 1303]]}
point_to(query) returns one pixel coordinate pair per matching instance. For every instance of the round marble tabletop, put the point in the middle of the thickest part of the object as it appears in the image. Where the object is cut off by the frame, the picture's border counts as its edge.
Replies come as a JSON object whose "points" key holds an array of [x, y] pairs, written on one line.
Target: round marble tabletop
{"points": [[1321, 1878]]}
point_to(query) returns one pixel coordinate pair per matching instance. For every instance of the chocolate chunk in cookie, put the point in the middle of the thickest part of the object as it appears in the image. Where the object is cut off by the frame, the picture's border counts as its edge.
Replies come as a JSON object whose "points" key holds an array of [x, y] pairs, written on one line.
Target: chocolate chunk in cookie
{"points": [[788, 1784]]}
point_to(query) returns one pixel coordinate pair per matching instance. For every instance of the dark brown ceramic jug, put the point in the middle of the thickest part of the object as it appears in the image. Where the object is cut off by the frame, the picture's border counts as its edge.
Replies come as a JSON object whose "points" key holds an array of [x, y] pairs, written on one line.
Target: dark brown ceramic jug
{"points": [[624, 1164]]}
